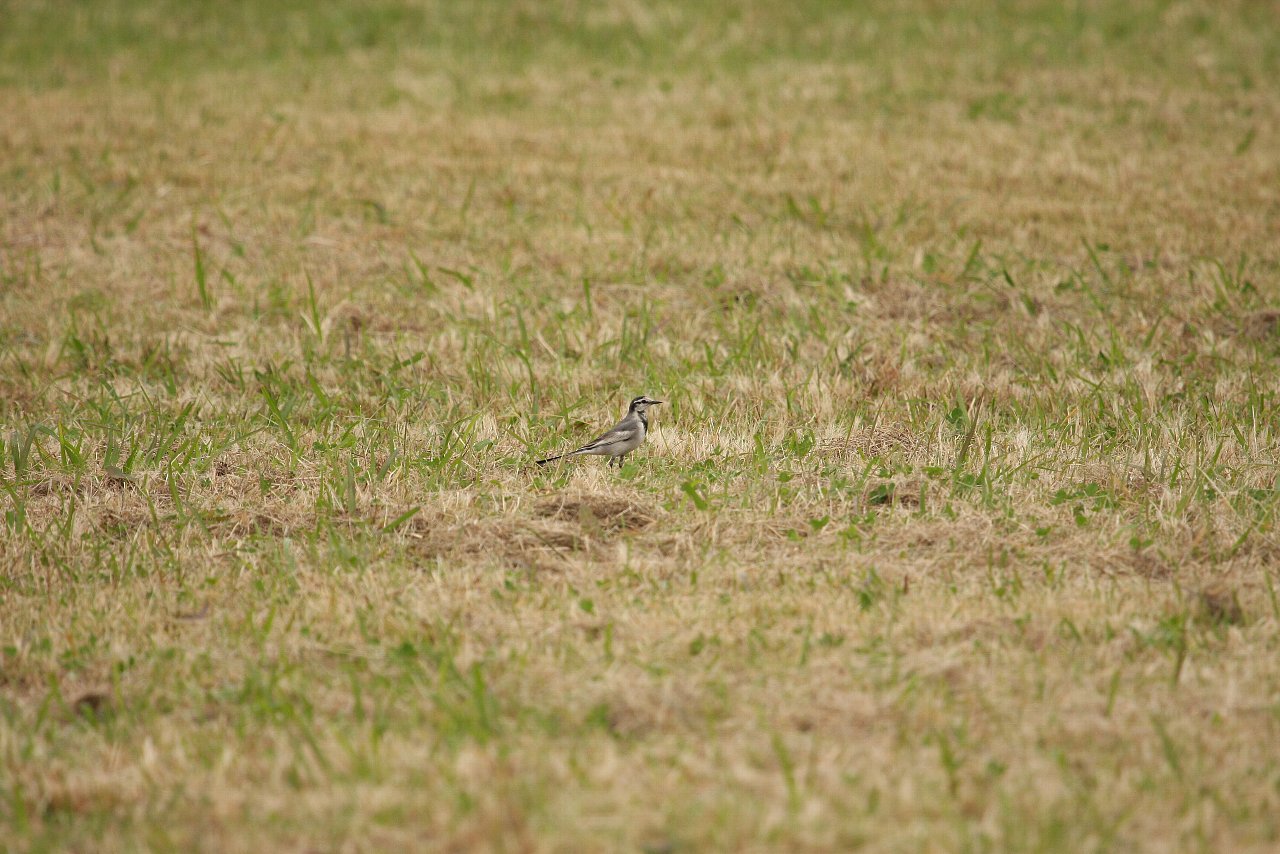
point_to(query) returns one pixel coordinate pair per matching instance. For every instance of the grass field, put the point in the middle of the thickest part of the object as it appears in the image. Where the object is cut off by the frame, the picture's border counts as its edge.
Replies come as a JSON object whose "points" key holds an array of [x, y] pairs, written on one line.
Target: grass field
{"points": [[957, 531]]}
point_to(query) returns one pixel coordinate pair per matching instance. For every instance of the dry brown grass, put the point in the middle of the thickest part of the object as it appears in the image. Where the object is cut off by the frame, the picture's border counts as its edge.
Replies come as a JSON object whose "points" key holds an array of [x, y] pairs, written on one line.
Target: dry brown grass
{"points": [[957, 532]]}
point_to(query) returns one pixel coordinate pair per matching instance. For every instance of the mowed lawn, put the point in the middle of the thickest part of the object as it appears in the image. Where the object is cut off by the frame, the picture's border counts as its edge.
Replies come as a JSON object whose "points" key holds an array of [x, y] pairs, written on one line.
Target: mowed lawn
{"points": [[956, 532]]}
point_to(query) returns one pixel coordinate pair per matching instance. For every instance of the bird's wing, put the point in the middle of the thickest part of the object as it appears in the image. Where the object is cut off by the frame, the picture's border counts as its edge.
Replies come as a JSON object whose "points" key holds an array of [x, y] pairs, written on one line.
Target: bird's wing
{"points": [[622, 432]]}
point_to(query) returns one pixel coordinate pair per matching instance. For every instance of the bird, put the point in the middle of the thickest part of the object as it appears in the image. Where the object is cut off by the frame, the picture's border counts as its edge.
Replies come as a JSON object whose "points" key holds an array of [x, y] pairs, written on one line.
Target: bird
{"points": [[621, 439]]}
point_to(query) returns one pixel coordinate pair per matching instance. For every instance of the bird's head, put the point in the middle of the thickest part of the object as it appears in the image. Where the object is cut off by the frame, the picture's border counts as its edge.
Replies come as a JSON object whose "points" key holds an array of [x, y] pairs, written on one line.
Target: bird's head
{"points": [[641, 403]]}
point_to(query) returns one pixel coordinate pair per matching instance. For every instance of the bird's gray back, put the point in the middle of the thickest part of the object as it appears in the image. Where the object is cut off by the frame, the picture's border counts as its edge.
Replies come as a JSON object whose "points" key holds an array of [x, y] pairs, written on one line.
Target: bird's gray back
{"points": [[627, 433]]}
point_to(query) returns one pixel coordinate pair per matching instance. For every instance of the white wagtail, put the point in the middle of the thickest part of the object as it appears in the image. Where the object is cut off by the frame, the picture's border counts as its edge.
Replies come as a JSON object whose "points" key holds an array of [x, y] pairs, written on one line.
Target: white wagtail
{"points": [[623, 438]]}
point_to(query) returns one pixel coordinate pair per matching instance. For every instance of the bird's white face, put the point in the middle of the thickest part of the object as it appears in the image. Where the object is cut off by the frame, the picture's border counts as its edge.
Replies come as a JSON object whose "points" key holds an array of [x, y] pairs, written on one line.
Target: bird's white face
{"points": [[640, 404]]}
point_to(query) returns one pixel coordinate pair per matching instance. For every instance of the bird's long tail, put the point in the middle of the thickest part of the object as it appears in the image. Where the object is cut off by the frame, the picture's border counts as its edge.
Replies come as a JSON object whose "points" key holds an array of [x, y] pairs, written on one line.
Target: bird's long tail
{"points": [[551, 459]]}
